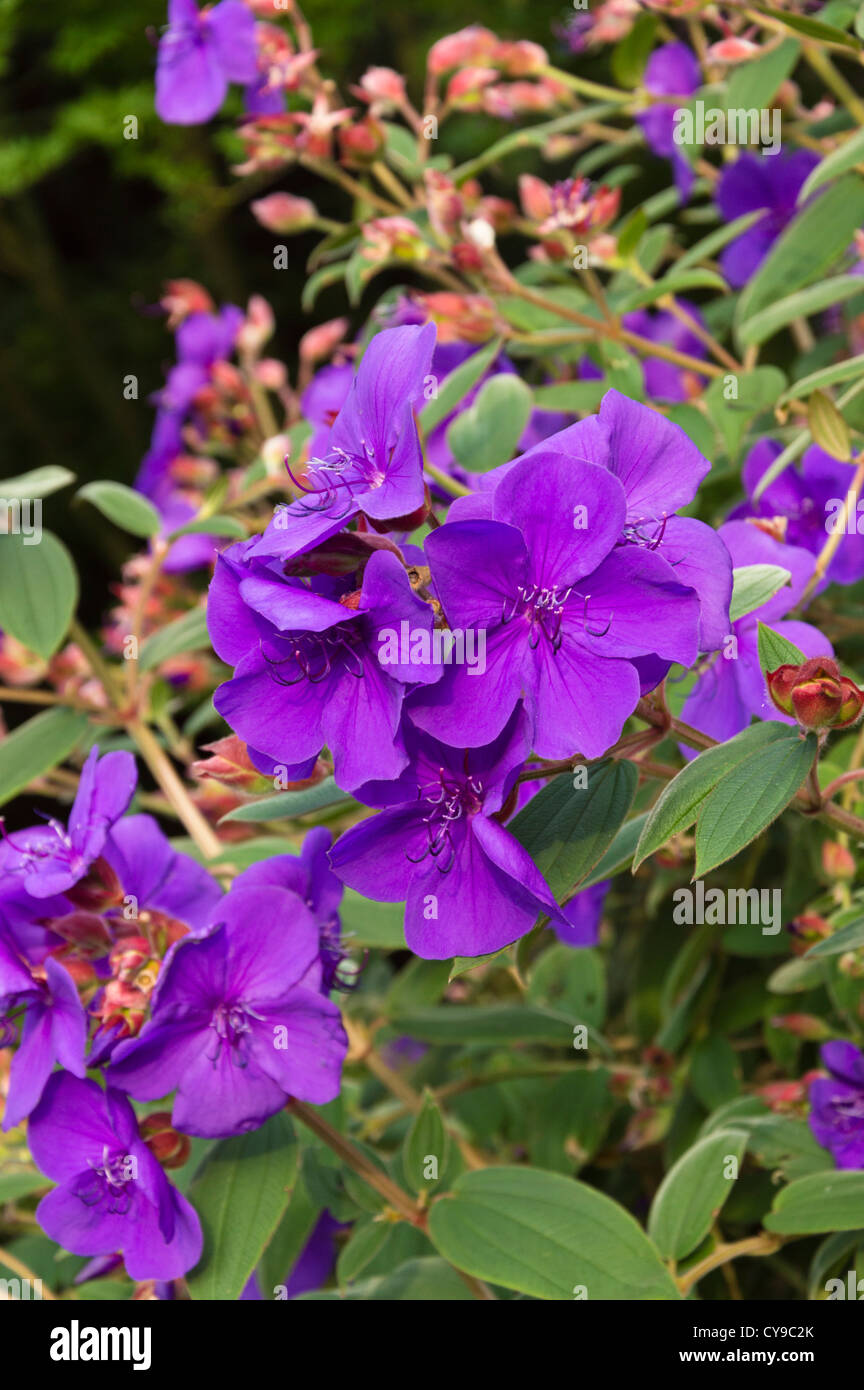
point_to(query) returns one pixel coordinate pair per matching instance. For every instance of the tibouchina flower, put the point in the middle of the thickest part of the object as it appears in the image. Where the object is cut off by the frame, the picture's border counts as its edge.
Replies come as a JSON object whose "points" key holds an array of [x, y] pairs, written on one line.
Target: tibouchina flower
{"points": [[564, 607], [810, 500], [770, 184], [309, 876], [233, 1029], [373, 462], [469, 886], [50, 859], [582, 916], [312, 670], [837, 1104], [200, 52], [672, 71], [111, 1194], [660, 469], [731, 687], [54, 1029]]}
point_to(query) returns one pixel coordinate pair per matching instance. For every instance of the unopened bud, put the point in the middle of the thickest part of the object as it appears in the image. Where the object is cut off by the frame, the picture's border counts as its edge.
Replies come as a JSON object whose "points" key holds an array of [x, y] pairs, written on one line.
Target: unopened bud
{"points": [[169, 1148]]}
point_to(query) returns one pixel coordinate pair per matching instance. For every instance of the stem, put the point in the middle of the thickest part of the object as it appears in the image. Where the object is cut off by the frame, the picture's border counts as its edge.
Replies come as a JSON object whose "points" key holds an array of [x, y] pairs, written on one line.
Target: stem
{"points": [[165, 774], [443, 480], [823, 66], [617, 333], [842, 781], [325, 170], [393, 1195], [763, 1244]]}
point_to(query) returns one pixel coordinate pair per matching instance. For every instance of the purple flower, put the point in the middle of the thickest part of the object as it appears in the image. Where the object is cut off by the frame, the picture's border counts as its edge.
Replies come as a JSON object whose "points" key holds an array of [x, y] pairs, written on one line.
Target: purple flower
{"points": [[310, 877], [199, 54], [565, 608], [663, 380], [672, 71], [731, 687], [313, 1265], [767, 183], [233, 1029], [470, 887], [322, 401], [50, 859], [373, 463], [582, 916], [837, 1105], [311, 670], [111, 1194], [805, 499], [660, 469], [54, 1029], [158, 877]]}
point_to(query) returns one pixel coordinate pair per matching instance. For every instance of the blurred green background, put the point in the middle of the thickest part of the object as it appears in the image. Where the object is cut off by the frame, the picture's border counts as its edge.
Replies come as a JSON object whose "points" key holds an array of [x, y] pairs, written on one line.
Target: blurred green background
{"points": [[91, 224]]}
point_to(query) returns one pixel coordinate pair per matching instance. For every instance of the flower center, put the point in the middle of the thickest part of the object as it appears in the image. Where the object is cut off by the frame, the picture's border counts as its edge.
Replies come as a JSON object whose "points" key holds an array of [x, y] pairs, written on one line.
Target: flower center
{"points": [[332, 482], [107, 1184], [313, 656], [449, 800]]}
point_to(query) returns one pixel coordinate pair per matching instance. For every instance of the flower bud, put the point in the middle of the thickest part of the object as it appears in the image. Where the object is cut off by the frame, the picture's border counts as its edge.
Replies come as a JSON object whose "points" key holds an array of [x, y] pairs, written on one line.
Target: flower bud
{"points": [[169, 1148], [230, 764], [320, 342], [282, 212], [361, 143], [98, 889], [382, 85], [816, 694], [804, 1026], [86, 931], [837, 862]]}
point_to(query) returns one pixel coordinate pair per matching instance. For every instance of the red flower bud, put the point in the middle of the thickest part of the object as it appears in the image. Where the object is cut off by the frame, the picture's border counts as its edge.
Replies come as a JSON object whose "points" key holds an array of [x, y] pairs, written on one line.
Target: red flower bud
{"points": [[165, 1144], [816, 694], [98, 889]]}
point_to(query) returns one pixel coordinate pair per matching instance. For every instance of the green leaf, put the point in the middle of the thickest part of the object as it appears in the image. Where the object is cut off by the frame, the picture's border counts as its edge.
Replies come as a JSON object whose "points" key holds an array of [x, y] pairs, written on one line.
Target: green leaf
{"points": [[378, 925], [813, 28], [240, 1195], [15, 1185], [716, 240], [632, 53], [753, 84], [848, 938], [488, 432], [829, 1201], [715, 1075], [212, 526], [800, 305], [676, 282], [631, 233], [574, 397], [39, 482], [776, 650], [850, 367], [754, 585], [620, 852], [693, 1192], [38, 591], [421, 1280], [567, 830], [570, 982], [758, 391], [427, 1138], [783, 1145], [457, 384], [367, 1238], [290, 1236], [37, 746], [286, 805], [816, 238], [682, 799], [126, 508], [749, 797], [546, 1236], [186, 634]]}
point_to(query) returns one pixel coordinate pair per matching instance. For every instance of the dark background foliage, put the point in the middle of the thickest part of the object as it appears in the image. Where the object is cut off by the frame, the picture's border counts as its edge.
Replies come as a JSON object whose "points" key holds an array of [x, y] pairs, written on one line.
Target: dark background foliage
{"points": [[91, 224]]}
